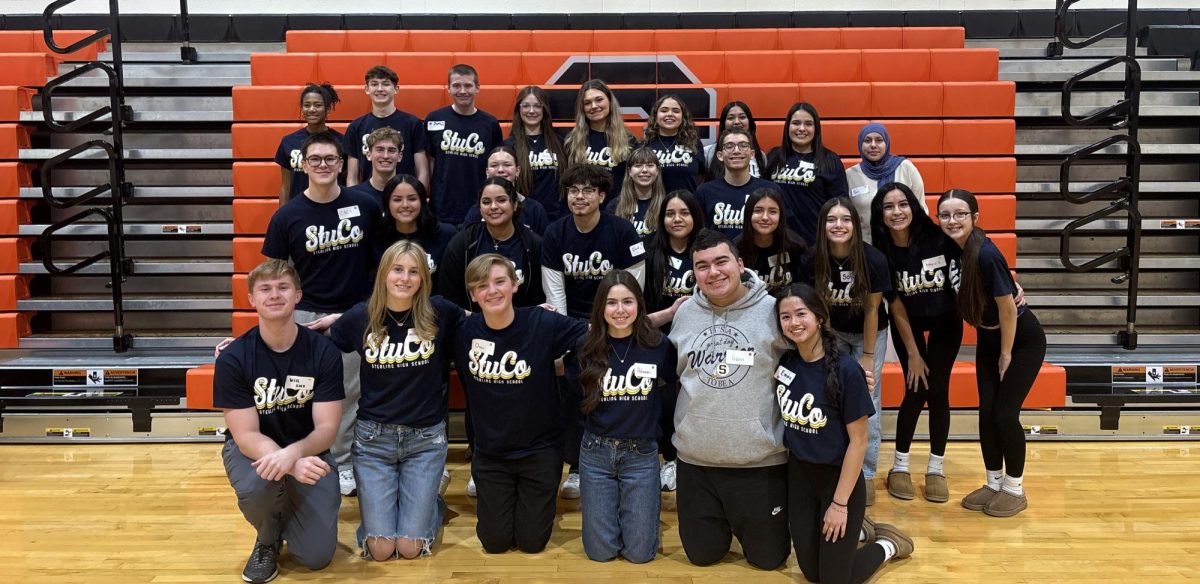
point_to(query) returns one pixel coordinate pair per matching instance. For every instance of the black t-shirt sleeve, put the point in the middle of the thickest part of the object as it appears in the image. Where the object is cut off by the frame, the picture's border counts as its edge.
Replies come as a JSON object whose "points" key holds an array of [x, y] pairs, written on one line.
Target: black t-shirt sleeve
{"points": [[329, 376], [993, 271], [633, 250], [567, 331], [275, 242], [347, 332], [230, 390], [877, 267], [855, 401]]}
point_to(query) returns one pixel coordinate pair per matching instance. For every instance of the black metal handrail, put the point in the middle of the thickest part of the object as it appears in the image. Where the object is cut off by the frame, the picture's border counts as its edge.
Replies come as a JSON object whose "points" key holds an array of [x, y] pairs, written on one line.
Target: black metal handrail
{"points": [[1121, 116]]}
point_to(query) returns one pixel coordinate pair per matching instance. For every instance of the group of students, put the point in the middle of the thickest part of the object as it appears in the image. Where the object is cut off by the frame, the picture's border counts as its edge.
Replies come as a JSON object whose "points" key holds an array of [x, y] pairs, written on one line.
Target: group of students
{"points": [[736, 325]]}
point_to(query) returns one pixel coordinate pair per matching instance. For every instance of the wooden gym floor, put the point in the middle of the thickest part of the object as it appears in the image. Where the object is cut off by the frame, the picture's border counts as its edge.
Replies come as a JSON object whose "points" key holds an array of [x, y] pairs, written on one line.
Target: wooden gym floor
{"points": [[1099, 512]]}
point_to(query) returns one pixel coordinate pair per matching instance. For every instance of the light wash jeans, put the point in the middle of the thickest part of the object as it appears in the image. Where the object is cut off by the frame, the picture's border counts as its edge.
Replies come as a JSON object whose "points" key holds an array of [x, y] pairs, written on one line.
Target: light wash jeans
{"points": [[618, 481], [398, 470], [852, 343]]}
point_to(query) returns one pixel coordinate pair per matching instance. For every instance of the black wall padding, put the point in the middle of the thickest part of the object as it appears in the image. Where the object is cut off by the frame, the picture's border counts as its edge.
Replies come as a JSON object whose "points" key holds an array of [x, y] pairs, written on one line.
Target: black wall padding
{"points": [[595, 21], [644, 21], [484, 22], [427, 21], [764, 20], [207, 28], [1000, 24], [267, 29], [372, 21], [540, 21], [707, 20], [933, 18], [889, 19], [1174, 41], [820, 19]]}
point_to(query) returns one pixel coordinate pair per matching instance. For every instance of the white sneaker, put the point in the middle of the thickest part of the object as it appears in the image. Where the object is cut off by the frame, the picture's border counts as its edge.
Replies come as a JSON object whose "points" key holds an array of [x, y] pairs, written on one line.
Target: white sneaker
{"points": [[666, 475], [570, 487], [346, 482], [471, 488], [445, 484]]}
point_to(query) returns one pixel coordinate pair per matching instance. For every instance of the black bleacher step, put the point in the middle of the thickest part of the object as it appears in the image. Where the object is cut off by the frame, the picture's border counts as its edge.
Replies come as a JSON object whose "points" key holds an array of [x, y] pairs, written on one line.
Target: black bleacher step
{"points": [[174, 117], [1187, 188], [132, 154], [140, 192], [1109, 298], [1150, 111], [1028, 261], [1115, 75], [137, 230], [155, 266], [101, 341], [1066, 339], [141, 302], [1159, 226], [1062, 150]]}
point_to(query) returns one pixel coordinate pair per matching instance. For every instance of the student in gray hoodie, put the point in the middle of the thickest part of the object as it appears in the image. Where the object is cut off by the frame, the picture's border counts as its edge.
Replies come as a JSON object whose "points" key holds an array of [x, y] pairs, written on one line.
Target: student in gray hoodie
{"points": [[732, 469]]}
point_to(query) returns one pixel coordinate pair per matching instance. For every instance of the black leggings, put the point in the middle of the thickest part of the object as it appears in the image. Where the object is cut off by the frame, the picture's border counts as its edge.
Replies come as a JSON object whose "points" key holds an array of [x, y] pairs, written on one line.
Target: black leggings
{"points": [[939, 353], [666, 421], [810, 493], [1001, 437]]}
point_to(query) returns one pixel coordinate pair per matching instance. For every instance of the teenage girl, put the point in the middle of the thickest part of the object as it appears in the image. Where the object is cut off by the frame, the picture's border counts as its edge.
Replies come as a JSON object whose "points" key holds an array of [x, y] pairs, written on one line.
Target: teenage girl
{"points": [[642, 192], [599, 137], [503, 162], [808, 173], [768, 246], [877, 168], [539, 150], [672, 135], [410, 217], [735, 114], [316, 101]]}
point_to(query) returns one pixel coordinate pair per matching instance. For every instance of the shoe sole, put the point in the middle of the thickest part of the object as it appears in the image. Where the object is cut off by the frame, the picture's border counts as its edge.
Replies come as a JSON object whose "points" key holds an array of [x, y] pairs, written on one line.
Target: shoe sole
{"points": [[901, 496], [570, 496], [936, 499], [990, 513], [273, 575], [970, 507], [890, 532]]}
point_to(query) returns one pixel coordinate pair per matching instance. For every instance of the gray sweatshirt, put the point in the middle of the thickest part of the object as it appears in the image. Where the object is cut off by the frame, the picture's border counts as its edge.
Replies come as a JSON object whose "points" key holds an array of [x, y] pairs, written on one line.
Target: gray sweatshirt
{"points": [[726, 415]]}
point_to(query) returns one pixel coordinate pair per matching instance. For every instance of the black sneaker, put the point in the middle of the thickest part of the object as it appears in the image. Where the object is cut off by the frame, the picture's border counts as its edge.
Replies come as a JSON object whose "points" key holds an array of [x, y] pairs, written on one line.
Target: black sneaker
{"points": [[263, 565]]}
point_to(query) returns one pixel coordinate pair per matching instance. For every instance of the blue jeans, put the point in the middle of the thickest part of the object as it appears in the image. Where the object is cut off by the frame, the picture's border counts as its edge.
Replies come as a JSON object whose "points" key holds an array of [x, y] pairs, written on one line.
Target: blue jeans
{"points": [[398, 470], [618, 481], [852, 343]]}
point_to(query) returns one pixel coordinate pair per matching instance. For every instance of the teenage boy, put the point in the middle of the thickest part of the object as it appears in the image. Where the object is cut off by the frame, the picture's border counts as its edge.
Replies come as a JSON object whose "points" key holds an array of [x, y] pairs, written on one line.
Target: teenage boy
{"points": [[280, 387], [381, 87], [326, 233], [459, 137], [385, 150], [724, 198]]}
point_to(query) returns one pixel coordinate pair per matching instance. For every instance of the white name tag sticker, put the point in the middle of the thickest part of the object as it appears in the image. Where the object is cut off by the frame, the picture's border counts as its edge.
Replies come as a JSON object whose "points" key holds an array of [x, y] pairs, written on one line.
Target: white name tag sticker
{"points": [[847, 277], [298, 383], [349, 212], [637, 249], [411, 338], [931, 264], [784, 375], [435, 125], [779, 259], [520, 277], [676, 263], [857, 191], [482, 347], [735, 357], [645, 370]]}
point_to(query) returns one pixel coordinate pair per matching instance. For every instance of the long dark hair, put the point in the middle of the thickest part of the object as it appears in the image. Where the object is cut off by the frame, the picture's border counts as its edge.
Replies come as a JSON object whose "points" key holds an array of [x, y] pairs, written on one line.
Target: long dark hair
{"points": [[971, 297], [782, 239], [921, 228], [521, 137], [861, 287], [823, 157], [509, 188], [593, 357], [687, 137], [659, 245], [716, 168], [816, 304], [427, 223]]}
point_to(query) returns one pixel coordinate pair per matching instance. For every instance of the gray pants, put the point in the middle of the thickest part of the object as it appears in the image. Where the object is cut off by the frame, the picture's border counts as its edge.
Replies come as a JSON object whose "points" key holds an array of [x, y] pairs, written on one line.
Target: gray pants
{"points": [[305, 516], [345, 435]]}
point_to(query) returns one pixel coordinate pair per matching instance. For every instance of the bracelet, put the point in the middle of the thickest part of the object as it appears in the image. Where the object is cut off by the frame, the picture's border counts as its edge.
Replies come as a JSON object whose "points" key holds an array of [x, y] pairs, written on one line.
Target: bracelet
{"points": [[871, 354], [838, 504]]}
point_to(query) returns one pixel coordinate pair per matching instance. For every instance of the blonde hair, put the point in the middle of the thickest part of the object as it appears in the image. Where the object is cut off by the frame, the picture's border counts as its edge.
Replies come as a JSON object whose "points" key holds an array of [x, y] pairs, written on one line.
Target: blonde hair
{"points": [[614, 129], [424, 319], [627, 201], [480, 268], [270, 270]]}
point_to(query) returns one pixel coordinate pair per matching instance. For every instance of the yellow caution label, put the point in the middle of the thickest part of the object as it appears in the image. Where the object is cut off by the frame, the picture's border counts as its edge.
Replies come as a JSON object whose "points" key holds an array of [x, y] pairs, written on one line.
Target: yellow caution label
{"points": [[68, 432]]}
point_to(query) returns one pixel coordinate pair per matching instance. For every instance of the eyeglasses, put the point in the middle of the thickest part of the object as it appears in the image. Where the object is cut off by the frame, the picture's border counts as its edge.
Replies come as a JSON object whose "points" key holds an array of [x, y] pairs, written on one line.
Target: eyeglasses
{"points": [[735, 146], [585, 191], [315, 161], [957, 216], [531, 106]]}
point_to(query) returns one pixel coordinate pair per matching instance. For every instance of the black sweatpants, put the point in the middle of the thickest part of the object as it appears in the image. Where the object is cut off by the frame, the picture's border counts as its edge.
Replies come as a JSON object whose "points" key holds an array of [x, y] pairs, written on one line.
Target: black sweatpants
{"points": [[1001, 437], [516, 502], [716, 503], [810, 493], [939, 353]]}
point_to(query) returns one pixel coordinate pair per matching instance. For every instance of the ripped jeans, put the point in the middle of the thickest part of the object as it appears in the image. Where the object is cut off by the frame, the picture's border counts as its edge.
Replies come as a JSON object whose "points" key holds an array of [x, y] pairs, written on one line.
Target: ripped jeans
{"points": [[398, 470]]}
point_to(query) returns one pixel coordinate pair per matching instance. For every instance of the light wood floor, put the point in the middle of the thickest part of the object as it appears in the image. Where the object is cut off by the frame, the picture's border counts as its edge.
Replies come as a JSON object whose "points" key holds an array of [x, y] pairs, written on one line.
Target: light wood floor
{"points": [[1099, 512]]}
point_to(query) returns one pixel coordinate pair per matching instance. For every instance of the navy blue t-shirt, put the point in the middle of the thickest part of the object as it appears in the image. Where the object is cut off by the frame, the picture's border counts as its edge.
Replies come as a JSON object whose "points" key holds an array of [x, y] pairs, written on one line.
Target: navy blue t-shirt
{"points": [[805, 190], [921, 275], [779, 270], [840, 281], [280, 386], [508, 376], [458, 146], [544, 166], [410, 130], [434, 245], [290, 157], [533, 215], [814, 429], [724, 204], [631, 389], [403, 376], [512, 248], [681, 167], [330, 244], [599, 154], [584, 258], [639, 216], [365, 187], [997, 280]]}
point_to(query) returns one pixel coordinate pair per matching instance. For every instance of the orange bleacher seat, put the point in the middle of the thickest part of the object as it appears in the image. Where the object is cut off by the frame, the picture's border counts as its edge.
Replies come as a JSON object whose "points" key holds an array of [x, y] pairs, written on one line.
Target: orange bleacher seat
{"points": [[933, 37], [707, 66], [825, 66], [256, 179], [260, 141], [13, 288], [978, 99], [240, 292], [13, 101], [13, 214], [748, 39], [347, 68], [838, 100], [1049, 390], [13, 251], [980, 137], [13, 137], [199, 386], [769, 134], [895, 65], [996, 212], [419, 100], [316, 41], [13, 326], [1007, 244], [278, 103], [982, 175], [426, 68], [13, 176], [772, 99], [498, 101], [573, 41], [247, 254], [33, 41], [909, 137], [243, 321], [283, 69], [609, 41], [539, 68], [912, 99], [685, 40], [505, 41], [810, 39], [388, 41], [251, 216], [872, 38], [438, 41], [759, 67], [933, 172], [27, 69], [964, 64], [495, 68]]}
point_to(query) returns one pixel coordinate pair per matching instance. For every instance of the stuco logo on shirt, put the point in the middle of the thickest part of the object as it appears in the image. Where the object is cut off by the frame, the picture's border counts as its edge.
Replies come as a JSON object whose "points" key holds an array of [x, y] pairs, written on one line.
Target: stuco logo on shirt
{"points": [[509, 367], [636, 382], [593, 267], [799, 414], [840, 295], [542, 160], [681, 285], [709, 356], [270, 397], [803, 174], [319, 239], [388, 353], [727, 216], [296, 159], [453, 144], [925, 280], [677, 156], [602, 158]]}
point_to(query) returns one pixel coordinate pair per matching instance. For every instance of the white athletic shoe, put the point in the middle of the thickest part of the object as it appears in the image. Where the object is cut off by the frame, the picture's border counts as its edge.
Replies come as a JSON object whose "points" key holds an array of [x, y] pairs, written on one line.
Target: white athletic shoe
{"points": [[445, 484], [666, 476], [471, 488], [570, 487], [346, 482]]}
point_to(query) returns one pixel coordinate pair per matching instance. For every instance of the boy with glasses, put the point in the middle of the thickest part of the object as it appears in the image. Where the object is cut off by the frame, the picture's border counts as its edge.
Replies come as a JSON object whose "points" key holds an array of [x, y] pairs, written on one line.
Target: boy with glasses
{"points": [[381, 87], [724, 198]]}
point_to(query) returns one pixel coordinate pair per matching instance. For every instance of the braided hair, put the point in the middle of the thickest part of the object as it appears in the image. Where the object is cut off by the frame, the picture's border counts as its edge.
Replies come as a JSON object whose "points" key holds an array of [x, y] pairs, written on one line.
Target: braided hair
{"points": [[815, 302]]}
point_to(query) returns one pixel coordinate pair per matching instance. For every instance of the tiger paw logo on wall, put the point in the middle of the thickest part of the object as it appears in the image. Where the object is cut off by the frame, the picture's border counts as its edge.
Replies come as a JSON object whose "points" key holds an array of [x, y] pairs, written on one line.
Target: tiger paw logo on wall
{"points": [[708, 355]]}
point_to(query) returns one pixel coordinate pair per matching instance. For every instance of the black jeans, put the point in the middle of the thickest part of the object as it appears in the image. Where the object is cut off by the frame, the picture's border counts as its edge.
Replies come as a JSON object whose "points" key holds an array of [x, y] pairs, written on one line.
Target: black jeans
{"points": [[939, 353], [1001, 437], [715, 504], [810, 492], [516, 502]]}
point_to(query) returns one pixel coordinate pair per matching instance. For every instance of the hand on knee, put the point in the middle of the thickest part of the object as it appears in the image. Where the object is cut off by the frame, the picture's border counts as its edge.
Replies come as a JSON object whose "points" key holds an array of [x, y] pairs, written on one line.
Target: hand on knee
{"points": [[381, 549]]}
